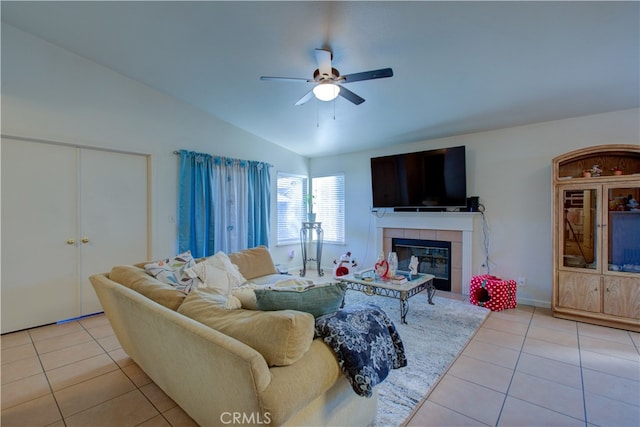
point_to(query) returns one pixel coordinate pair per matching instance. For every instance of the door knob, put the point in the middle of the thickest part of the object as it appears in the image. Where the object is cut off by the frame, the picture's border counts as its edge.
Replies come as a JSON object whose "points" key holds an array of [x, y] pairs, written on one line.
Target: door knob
{"points": [[70, 241], [85, 240]]}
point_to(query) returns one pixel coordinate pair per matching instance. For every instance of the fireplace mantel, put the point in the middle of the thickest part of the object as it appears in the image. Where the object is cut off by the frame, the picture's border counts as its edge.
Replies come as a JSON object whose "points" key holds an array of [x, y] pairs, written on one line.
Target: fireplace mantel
{"points": [[454, 221]]}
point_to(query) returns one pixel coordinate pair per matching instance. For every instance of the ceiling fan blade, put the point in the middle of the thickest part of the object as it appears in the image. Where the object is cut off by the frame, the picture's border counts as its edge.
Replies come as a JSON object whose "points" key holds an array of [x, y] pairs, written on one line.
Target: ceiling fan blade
{"points": [[305, 98], [323, 58], [350, 96], [286, 79], [368, 75]]}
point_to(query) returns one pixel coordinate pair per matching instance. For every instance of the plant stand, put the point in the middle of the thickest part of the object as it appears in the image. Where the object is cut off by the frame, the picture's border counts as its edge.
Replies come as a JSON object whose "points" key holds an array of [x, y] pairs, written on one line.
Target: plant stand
{"points": [[306, 237]]}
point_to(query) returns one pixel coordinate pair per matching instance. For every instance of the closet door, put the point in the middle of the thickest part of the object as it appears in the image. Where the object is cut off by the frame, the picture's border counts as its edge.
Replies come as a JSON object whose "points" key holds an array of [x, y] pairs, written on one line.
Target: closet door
{"points": [[113, 221], [39, 238]]}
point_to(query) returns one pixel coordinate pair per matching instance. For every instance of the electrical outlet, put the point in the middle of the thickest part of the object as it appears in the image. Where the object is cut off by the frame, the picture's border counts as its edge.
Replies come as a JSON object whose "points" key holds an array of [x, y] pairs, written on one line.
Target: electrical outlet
{"points": [[522, 281]]}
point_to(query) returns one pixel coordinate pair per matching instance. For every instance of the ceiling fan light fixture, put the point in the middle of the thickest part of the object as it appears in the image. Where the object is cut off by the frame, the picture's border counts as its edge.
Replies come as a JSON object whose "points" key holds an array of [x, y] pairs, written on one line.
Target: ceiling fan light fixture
{"points": [[326, 91]]}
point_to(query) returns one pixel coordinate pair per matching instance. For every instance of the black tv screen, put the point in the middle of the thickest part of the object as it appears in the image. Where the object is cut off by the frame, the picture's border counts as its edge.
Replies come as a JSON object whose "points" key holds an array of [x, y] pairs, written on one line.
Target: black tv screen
{"points": [[431, 180]]}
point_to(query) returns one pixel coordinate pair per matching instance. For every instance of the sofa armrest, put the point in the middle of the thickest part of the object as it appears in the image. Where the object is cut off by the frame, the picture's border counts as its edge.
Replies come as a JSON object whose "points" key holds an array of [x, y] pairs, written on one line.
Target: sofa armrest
{"points": [[204, 371]]}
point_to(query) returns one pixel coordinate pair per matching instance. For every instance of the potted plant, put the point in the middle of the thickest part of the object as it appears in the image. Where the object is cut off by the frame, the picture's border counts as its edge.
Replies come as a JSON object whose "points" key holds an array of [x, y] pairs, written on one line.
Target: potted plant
{"points": [[309, 201], [617, 170]]}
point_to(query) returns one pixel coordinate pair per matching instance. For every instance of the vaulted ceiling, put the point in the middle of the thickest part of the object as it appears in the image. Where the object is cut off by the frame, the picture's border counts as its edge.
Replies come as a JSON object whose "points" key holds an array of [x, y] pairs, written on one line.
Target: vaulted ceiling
{"points": [[459, 67]]}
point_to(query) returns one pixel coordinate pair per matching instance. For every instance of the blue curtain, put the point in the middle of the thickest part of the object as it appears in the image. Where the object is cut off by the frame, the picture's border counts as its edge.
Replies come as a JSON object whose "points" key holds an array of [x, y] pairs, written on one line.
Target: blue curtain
{"points": [[195, 211], [259, 204], [224, 204]]}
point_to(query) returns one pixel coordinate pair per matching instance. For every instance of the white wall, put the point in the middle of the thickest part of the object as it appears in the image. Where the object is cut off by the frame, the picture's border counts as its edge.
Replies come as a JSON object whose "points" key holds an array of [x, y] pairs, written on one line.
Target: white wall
{"points": [[510, 170], [51, 94]]}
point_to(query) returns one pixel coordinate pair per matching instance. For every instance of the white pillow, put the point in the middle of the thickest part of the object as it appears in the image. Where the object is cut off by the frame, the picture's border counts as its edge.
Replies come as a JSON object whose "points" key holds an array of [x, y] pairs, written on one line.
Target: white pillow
{"points": [[218, 280], [222, 261]]}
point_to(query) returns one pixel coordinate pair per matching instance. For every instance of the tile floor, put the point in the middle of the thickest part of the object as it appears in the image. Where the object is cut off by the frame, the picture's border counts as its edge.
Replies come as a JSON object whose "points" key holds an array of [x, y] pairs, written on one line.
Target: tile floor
{"points": [[523, 367]]}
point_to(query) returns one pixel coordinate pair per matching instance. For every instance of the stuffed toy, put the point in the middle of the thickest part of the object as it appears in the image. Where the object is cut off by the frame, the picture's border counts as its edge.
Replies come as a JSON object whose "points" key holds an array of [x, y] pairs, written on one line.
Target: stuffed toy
{"points": [[344, 266]]}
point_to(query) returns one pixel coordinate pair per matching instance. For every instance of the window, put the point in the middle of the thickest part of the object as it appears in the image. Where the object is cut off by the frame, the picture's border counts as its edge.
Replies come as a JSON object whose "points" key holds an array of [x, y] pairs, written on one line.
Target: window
{"points": [[328, 204], [291, 210]]}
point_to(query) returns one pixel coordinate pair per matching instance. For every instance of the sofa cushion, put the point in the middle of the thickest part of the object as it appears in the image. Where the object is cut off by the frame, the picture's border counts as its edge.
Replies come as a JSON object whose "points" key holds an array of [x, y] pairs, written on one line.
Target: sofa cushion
{"points": [[216, 280], [282, 337], [137, 279], [315, 299], [171, 270], [222, 261], [254, 262]]}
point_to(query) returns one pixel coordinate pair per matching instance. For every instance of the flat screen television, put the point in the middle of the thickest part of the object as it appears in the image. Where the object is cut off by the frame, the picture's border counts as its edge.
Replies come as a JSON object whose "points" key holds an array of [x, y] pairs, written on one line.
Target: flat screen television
{"points": [[425, 180]]}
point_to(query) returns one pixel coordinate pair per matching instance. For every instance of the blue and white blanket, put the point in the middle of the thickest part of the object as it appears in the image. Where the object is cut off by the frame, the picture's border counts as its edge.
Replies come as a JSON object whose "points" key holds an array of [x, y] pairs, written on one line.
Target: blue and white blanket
{"points": [[366, 344]]}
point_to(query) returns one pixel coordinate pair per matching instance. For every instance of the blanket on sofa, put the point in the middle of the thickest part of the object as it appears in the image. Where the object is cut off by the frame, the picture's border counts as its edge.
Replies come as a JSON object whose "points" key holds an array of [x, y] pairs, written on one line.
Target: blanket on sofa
{"points": [[366, 343]]}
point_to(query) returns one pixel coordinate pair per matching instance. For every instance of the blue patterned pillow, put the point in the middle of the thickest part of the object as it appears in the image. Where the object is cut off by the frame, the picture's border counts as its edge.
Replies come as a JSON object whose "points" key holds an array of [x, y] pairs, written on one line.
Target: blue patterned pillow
{"points": [[316, 299], [171, 271]]}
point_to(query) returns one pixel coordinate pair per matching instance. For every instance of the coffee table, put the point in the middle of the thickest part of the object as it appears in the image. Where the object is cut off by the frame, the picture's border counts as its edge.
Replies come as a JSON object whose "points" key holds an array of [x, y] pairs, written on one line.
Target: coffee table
{"points": [[366, 282]]}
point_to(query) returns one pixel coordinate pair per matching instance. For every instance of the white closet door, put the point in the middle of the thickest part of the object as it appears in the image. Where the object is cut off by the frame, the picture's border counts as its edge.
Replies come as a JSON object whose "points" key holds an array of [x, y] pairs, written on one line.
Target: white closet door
{"points": [[113, 221], [39, 237]]}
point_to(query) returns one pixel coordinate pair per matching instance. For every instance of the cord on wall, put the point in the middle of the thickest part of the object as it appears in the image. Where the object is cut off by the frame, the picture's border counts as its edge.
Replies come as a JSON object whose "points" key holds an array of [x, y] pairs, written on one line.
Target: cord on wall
{"points": [[485, 240]]}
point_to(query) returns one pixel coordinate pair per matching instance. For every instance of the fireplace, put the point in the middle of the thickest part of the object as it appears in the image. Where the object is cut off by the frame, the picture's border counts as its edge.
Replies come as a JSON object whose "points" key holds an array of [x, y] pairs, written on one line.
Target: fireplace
{"points": [[434, 257], [454, 227]]}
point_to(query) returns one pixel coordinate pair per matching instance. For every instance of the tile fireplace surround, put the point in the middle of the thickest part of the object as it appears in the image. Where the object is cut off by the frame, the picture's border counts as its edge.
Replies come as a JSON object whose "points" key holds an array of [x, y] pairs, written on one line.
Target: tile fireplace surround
{"points": [[455, 227]]}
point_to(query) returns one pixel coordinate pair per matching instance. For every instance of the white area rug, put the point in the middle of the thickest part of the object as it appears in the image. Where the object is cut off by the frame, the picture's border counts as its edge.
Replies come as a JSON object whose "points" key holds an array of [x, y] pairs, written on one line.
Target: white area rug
{"points": [[433, 338]]}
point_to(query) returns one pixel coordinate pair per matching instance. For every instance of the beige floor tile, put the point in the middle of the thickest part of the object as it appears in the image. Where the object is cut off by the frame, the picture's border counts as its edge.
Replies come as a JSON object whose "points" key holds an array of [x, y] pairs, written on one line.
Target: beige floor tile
{"points": [[69, 355], [613, 387], [549, 369], [521, 314], [635, 337], [94, 321], [55, 330], [178, 418], [432, 414], [101, 331], [41, 411], [157, 421], [24, 390], [109, 343], [21, 368], [602, 411], [545, 321], [95, 391], [555, 336], [469, 399], [120, 357], [80, 371], [517, 412], [500, 338], [604, 333], [561, 353], [624, 368], [615, 349], [483, 373], [62, 341], [14, 339], [502, 356], [136, 374], [548, 394], [506, 325], [129, 409], [18, 352], [158, 397]]}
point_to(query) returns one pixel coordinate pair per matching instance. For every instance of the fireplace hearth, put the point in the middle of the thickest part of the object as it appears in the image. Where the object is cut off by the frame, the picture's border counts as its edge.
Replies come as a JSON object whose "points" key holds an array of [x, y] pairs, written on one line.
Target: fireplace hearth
{"points": [[434, 257]]}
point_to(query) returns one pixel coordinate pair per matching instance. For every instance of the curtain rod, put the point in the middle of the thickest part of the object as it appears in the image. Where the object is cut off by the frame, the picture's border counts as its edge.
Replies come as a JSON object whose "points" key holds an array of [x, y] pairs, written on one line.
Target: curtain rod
{"points": [[268, 164]]}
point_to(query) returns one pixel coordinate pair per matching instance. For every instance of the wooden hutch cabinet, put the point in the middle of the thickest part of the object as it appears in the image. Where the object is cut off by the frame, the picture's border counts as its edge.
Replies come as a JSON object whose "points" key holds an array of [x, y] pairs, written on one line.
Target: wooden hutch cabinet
{"points": [[596, 238]]}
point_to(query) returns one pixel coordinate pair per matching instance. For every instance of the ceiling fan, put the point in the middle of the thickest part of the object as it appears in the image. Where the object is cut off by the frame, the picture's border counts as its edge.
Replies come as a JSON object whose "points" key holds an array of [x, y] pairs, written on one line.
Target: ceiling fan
{"points": [[328, 81]]}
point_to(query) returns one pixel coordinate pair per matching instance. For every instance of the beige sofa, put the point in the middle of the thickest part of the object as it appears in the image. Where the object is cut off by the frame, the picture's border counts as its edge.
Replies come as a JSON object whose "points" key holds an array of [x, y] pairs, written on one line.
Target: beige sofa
{"points": [[217, 379]]}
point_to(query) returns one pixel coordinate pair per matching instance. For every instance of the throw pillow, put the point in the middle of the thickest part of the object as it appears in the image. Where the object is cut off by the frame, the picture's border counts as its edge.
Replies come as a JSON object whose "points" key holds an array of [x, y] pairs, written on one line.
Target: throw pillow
{"points": [[222, 261], [315, 299], [282, 337], [171, 271], [215, 279], [254, 262]]}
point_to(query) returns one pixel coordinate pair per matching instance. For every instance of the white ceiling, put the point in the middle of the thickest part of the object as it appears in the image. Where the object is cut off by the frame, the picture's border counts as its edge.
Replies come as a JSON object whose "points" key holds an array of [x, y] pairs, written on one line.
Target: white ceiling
{"points": [[459, 67]]}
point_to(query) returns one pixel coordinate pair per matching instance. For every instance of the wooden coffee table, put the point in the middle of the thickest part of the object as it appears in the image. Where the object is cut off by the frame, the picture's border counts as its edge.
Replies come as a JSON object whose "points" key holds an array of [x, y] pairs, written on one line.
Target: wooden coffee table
{"points": [[368, 284]]}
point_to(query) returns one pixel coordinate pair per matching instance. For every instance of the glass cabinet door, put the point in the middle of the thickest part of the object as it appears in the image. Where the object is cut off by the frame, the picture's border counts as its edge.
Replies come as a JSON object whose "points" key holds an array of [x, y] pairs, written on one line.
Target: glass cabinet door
{"points": [[623, 228], [579, 237]]}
